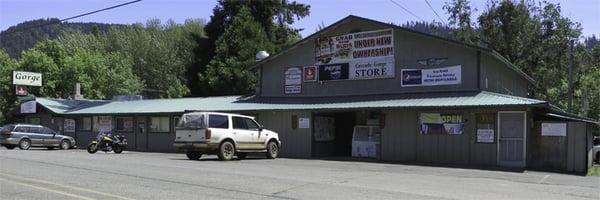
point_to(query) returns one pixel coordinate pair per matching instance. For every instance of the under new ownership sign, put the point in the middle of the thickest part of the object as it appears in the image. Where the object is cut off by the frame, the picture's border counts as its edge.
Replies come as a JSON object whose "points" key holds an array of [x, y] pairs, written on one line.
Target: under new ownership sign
{"points": [[27, 78]]}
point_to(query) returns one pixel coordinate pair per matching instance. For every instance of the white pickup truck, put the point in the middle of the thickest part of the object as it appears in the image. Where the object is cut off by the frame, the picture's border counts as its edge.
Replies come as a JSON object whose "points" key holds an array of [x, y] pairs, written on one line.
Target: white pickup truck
{"points": [[224, 134]]}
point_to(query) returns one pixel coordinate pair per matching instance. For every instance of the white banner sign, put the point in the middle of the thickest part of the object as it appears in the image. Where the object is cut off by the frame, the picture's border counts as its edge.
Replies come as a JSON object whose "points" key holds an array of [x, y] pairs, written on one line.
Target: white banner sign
{"points": [[27, 78], [372, 68], [69, 125], [293, 76], [28, 107], [431, 77], [303, 122], [293, 89], [554, 129], [485, 135]]}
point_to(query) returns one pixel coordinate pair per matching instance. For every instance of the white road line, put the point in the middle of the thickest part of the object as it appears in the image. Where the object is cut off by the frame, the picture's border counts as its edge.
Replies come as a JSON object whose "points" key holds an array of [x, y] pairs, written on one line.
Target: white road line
{"points": [[48, 190]]}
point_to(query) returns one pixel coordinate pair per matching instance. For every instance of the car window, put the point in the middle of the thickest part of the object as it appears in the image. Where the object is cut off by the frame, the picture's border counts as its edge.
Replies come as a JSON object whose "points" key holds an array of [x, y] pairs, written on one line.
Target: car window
{"points": [[35, 130], [7, 128], [239, 123], [218, 121], [251, 124], [47, 131], [22, 129]]}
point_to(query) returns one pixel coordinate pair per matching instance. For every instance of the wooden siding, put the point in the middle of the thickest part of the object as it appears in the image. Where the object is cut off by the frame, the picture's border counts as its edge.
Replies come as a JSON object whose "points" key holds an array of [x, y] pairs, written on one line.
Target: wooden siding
{"points": [[496, 77], [398, 139], [295, 142]]}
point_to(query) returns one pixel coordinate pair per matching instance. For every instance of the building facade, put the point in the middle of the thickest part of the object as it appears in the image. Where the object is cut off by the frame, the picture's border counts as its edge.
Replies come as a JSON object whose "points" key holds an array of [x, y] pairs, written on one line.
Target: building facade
{"points": [[362, 88]]}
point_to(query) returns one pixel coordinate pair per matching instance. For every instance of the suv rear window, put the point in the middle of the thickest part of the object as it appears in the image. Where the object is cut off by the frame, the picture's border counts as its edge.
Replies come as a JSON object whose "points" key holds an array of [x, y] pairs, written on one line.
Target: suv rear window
{"points": [[218, 121], [191, 121]]}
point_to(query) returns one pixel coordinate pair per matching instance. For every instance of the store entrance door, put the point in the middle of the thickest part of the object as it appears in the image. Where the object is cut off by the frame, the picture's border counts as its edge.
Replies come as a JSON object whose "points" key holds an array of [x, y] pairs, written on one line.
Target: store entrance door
{"points": [[511, 138]]}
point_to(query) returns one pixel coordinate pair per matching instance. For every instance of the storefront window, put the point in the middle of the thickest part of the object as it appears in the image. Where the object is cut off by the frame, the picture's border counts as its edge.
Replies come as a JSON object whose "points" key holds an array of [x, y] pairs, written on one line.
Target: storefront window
{"points": [[442, 123], [102, 123], [32, 120], [84, 124], [160, 124], [125, 124]]}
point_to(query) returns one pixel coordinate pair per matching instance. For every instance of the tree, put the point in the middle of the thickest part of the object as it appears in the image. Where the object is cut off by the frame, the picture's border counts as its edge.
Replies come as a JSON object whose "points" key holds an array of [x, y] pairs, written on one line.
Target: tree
{"points": [[7, 98], [228, 72], [274, 16], [460, 19]]}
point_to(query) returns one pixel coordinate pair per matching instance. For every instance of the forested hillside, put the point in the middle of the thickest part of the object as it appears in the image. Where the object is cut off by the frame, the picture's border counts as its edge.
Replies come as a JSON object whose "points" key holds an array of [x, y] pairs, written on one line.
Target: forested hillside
{"points": [[24, 35]]}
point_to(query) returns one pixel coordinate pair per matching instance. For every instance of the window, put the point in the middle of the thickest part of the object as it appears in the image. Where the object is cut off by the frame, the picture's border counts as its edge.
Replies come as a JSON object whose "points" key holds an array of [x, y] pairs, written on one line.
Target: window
{"points": [[244, 123], [102, 123], [160, 124], [32, 120], [125, 124], [22, 129], [35, 130], [218, 121], [175, 121], [47, 131], [84, 124]]}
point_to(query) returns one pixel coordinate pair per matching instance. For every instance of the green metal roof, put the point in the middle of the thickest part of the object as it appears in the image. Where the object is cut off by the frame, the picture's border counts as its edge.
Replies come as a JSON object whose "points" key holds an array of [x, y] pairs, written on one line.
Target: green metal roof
{"points": [[236, 103]]}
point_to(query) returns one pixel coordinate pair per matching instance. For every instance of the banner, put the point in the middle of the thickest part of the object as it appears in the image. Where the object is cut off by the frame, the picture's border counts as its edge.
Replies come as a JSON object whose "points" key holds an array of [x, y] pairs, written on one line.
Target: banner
{"points": [[293, 80], [430, 77], [554, 129], [485, 135], [333, 72], [369, 54], [27, 78], [436, 123]]}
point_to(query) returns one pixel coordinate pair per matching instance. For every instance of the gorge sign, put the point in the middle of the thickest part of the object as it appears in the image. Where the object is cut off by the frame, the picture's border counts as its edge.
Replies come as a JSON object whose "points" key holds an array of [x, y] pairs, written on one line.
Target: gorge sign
{"points": [[27, 78]]}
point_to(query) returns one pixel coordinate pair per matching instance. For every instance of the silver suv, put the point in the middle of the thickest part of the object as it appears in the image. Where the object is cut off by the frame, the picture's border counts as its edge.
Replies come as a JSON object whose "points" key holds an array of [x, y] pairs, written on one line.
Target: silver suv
{"points": [[28, 135]]}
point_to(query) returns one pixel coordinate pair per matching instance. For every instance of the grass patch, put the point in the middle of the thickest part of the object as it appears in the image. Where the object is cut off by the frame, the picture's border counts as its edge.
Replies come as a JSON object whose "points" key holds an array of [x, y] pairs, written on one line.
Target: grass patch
{"points": [[594, 171]]}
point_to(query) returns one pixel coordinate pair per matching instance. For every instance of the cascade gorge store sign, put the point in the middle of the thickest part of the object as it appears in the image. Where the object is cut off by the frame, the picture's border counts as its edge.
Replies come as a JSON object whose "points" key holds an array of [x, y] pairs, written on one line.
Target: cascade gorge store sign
{"points": [[362, 55], [27, 78]]}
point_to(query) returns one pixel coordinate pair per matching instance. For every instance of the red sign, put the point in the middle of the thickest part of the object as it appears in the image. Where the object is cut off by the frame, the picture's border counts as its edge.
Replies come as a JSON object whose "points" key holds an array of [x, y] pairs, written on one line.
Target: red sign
{"points": [[310, 73], [21, 90]]}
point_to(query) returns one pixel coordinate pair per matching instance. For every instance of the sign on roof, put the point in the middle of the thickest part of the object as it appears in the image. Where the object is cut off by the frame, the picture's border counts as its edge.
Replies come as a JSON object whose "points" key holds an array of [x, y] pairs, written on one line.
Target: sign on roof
{"points": [[27, 78]]}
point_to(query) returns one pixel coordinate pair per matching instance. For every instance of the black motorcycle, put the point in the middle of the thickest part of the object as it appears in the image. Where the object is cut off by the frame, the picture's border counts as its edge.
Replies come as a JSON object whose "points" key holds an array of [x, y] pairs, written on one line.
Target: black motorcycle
{"points": [[107, 142]]}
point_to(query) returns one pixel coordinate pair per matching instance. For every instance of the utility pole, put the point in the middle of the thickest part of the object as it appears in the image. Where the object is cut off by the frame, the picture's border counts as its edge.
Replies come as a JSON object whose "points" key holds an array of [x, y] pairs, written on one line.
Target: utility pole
{"points": [[570, 108]]}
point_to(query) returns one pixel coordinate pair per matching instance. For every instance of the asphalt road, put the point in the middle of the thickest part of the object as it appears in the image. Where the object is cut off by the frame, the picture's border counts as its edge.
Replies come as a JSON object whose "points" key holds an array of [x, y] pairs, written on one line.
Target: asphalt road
{"points": [[75, 174]]}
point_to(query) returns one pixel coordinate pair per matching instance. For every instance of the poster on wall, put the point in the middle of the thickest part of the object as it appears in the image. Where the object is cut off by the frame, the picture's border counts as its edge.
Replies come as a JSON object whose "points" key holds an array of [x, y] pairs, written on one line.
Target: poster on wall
{"points": [[28, 107], [485, 135], [554, 129], [103, 123], [293, 80], [369, 54], [324, 129], [309, 73], [303, 122], [431, 77], [436, 123], [69, 125]]}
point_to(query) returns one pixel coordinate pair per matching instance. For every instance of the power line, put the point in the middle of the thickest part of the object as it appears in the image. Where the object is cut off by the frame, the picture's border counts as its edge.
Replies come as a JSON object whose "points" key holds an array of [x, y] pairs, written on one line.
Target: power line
{"points": [[408, 11], [69, 18], [436, 14]]}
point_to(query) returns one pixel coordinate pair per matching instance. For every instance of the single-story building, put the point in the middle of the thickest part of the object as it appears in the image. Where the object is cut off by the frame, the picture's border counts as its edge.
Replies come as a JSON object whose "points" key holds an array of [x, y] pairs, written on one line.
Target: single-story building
{"points": [[364, 88]]}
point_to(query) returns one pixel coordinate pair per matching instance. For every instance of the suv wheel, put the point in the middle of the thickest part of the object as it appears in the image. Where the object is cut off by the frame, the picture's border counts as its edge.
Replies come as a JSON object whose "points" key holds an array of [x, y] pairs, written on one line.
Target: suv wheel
{"points": [[272, 150], [24, 144], [65, 144], [193, 155], [226, 151]]}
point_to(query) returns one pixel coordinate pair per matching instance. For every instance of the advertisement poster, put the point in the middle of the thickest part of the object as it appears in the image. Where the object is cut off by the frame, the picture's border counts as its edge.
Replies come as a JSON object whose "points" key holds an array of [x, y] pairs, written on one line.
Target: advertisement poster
{"points": [[485, 135], [554, 129], [69, 125], [310, 73], [333, 72], [303, 122], [436, 123], [293, 80], [28, 107], [324, 129], [369, 54], [431, 77]]}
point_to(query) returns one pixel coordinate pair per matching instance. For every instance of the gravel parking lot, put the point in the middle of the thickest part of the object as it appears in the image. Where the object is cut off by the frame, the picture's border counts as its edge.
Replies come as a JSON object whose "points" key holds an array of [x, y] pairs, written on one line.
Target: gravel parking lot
{"points": [[75, 174]]}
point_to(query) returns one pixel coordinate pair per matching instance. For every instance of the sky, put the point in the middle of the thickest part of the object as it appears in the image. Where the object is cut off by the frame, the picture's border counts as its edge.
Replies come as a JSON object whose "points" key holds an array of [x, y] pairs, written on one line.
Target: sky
{"points": [[13, 12]]}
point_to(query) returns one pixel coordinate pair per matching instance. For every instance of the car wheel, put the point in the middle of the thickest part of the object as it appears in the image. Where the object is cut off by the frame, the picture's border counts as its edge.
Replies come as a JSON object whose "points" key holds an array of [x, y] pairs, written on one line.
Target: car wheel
{"points": [[10, 146], [226, 151], [193, 155], [242, 155], [65, 144], [24, 144], [272, 150]]}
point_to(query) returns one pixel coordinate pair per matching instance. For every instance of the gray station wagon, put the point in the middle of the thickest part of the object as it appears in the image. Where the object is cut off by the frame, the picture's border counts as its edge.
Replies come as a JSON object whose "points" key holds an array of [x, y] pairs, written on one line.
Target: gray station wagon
{"points": [[28, 135]]}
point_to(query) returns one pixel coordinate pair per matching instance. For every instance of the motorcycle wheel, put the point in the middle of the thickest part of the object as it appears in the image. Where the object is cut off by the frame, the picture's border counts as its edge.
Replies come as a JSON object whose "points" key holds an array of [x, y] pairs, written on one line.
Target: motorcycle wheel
{"points": [[92, 148], [118, 149]]}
